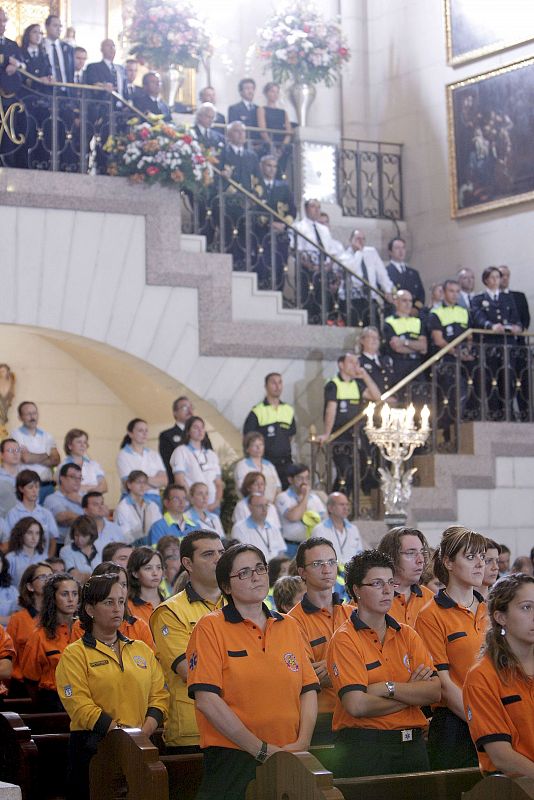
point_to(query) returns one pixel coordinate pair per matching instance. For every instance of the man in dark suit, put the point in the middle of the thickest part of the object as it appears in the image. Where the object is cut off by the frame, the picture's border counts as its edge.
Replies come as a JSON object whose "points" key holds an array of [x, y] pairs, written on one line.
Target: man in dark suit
{"points": [[105, 73], [10, 59], [277, 195], [466, 279], [12, 154], [246, 111], [207, 95], [404, 277], [130, 91], [149, 101], [80, 57], [60, 54], [524, 390], [206, 135]]}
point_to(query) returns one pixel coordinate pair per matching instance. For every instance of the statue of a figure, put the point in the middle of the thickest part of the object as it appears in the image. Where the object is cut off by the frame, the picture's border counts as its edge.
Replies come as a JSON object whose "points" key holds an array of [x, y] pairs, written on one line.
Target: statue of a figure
{"points": [[7, 393]]}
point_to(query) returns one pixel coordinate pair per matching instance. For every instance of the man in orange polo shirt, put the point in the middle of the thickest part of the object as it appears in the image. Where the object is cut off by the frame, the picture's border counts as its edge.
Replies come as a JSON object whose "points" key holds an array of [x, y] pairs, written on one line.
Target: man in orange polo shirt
{"points": [[382, 674], [318, 614], [409, 551]]}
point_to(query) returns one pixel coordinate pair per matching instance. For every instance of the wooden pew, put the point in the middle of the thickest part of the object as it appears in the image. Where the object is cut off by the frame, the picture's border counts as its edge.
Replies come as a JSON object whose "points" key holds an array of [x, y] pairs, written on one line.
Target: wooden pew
{"points": [[301, 776], [498, 786], [127, 759]]}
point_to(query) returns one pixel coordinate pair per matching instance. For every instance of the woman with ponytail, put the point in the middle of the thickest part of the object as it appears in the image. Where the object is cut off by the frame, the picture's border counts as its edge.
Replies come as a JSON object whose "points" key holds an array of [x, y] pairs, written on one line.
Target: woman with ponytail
{"points": [[498, 691], [452, 626]]}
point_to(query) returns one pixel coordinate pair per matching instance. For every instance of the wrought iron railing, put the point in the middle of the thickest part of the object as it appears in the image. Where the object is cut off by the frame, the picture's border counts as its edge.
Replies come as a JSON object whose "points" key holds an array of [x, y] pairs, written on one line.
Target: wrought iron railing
{"points": [[370, 179], [481, 375]]}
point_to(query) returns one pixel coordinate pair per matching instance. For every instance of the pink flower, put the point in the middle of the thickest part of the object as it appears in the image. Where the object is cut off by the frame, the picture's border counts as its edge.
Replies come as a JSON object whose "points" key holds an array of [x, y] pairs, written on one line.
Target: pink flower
{"points": [[152, 170], [144, 133]]}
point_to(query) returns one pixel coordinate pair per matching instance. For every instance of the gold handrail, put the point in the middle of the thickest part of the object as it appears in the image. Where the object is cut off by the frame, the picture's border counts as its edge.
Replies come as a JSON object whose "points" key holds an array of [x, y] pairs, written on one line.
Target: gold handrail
{"points": [[417, 371]]}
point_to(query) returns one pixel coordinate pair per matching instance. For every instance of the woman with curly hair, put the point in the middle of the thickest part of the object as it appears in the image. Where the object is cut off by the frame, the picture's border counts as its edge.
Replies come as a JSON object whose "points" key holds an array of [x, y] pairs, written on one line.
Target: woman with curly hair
{"points": [[53, 633], [497, 693]]}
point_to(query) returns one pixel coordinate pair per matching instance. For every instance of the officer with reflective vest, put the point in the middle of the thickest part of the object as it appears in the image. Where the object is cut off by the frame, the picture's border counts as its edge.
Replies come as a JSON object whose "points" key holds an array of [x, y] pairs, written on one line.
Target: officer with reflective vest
{"points": [[275, 420], [446, 323], [343, 399], [405, 341]]}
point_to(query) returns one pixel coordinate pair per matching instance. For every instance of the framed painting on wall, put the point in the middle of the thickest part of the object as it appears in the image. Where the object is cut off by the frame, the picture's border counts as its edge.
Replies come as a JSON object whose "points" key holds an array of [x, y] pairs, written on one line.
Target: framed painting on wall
{"points": [[476, 28], [491, 142]]}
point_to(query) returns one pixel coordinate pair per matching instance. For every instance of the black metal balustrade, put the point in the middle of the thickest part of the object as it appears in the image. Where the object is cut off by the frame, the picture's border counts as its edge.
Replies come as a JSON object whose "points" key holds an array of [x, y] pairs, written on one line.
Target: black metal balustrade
{"points": [[370, 179], [481, 376]]}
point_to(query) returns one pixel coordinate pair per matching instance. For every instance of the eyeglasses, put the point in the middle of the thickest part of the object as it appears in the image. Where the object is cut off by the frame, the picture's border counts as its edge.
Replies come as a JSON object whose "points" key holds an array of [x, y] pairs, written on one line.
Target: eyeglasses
{"points": [[330, 563], [247, 572], [11, 449], [43, 577], [379, 584], [413, 554]]}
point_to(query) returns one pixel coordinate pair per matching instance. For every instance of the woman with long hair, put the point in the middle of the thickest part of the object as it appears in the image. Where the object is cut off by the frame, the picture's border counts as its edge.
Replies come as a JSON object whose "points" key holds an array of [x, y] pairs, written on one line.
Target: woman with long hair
{"points": [[145, 572], [27, 486], [22, 623], [26, 546], [106, 680], [452, 626], [498, 696], [135, 455], [193, 462], [52, 635], [76, 445]]}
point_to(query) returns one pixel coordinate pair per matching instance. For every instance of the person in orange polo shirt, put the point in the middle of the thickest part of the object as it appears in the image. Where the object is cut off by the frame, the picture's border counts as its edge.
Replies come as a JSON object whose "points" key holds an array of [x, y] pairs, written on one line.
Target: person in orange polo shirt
{"points": [[251, 678], [22, 623], [7, 654], [409, 551], [498, 691], [382, 674], [452, 626], [318, 614], [53, 633]]}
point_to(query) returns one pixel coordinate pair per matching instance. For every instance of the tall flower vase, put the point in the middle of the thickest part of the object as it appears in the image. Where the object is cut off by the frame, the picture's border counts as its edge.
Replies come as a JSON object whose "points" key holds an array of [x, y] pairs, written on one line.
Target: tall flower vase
{"points": [[302, 96], [172, 79]]}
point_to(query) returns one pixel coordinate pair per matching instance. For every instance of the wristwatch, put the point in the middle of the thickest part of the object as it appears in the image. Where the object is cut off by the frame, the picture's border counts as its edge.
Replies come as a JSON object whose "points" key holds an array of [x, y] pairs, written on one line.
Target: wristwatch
{"points": [[390, 686], [261, 755]]}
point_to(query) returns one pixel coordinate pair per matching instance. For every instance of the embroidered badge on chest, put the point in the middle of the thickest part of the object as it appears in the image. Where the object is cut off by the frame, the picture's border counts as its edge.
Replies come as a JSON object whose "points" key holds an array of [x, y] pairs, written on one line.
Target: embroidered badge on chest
{"points": [[140, 661], [291, 662]]}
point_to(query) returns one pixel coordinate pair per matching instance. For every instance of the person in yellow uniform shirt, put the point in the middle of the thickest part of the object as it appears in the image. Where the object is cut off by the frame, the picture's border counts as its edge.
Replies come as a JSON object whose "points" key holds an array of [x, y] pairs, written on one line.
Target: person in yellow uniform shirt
{"points": [[106, 680], [172, 624]]}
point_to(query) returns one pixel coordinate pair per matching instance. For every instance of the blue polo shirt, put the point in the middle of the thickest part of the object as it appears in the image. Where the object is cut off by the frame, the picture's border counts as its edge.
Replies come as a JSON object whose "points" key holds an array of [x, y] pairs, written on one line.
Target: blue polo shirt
{"points": [[56, 503], [167, 526]]}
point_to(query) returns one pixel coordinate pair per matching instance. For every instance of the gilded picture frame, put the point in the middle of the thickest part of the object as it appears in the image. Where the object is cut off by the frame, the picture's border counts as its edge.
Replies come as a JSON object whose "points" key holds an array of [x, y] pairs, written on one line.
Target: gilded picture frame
{"points": [[478, 28], [491, 147]]}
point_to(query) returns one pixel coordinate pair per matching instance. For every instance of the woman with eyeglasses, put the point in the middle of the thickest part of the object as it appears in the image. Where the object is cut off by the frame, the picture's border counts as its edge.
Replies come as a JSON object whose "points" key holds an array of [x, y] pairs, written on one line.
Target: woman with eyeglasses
{"points": [[497, 693], [452, 626], [193, 462], [409, 551], [381, 673], [252, 682], [106, 680]]}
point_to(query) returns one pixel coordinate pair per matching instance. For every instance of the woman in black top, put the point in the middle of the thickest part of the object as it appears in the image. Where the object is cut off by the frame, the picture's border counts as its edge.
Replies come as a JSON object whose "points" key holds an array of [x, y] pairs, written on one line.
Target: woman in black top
{"points": [[271, 118]]}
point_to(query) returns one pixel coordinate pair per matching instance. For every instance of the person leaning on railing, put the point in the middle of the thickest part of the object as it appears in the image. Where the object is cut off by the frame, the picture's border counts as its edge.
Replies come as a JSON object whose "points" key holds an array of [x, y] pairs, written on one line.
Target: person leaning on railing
{"points": [[497, 693]]}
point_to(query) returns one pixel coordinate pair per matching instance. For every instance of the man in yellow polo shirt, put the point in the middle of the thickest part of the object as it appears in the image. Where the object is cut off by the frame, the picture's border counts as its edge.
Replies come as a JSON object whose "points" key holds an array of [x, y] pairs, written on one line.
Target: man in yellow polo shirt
{"points": [[172, 624]]}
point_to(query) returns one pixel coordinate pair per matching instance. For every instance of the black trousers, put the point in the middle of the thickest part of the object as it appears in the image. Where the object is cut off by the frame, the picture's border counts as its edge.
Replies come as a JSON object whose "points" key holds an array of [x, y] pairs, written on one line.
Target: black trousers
{"points": [[226, 773], [82, 748], [449, 743], [281, 465], [365, 751]]}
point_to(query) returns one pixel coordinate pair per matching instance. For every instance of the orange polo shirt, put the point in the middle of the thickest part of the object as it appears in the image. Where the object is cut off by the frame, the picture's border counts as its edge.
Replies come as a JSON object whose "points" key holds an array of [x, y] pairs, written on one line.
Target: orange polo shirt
{"points": [[356, 657], [259, 674], [41, 656], [317, 626], [20, 627], [407, 612], [132, 627], [498, 711], [6, 651], [453, 635], [142, 609]]}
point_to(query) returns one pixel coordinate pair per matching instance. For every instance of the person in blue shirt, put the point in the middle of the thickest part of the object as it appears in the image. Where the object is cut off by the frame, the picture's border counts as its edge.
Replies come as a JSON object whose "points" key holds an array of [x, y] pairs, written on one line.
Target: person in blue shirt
{"points": [[27, 489], [175, 522]]}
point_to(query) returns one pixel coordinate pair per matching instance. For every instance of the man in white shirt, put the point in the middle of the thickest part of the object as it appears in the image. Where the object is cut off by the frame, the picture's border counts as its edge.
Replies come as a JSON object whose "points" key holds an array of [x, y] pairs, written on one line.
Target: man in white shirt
{"points": [[364, 262], [38, 450], [299, 508], [258, 531], [345, 536]]}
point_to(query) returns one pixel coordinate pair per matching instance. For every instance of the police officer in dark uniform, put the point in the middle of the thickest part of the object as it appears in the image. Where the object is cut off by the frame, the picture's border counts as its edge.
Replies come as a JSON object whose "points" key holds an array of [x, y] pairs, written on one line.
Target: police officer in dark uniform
{"points": [[404, 337], [496, 311], [445, 323], [404, 277], [380, 368], [343, 399], [269, 230], [276, 421]]}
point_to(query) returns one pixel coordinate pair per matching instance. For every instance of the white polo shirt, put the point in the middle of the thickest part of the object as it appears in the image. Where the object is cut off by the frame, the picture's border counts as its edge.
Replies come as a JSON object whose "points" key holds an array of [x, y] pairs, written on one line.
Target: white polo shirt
{"points": [[347, 543], [91, 470], [38, 442], [266, 538], [297, 531], [197, 466], [149, 462]]}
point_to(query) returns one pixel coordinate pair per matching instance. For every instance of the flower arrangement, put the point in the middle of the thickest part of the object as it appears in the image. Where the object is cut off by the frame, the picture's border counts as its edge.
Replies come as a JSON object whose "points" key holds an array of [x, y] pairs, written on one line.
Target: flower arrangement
{"points": [[159, 153], [299, 45], [168, 33]]}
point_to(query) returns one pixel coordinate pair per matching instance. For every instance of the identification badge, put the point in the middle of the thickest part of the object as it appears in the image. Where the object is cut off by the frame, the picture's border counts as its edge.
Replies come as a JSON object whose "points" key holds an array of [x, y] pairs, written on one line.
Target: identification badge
{"points": [[407, 736]]}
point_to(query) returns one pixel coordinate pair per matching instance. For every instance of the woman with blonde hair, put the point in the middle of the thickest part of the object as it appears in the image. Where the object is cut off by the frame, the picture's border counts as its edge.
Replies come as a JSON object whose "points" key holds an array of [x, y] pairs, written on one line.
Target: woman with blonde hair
{"points": [[498, 697], [452, 626]]}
